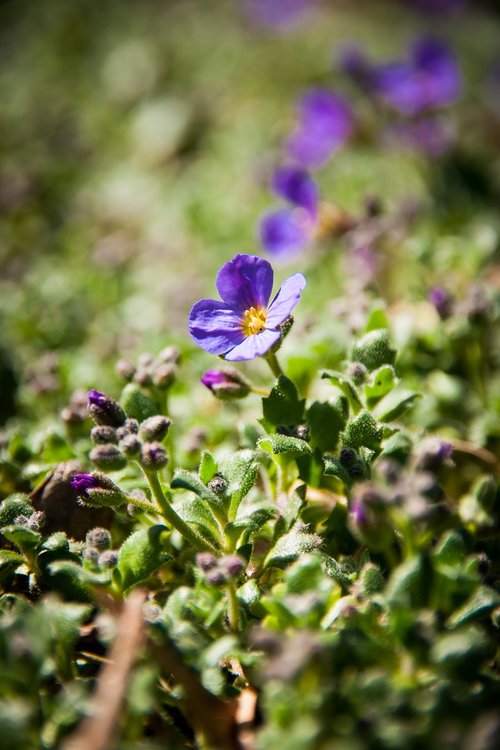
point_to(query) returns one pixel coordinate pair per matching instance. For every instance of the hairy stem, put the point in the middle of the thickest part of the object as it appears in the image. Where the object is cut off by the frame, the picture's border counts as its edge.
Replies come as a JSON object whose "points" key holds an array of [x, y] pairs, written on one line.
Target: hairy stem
{"points": [[191, 536]]}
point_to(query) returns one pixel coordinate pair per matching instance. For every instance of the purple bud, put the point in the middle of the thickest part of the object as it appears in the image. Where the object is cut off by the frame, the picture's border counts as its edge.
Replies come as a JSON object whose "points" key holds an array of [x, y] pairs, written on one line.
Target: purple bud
{"points": [[154, 428], [226, 383], [153, 456], [231, 565], [108, 559], [82, 483], [206, 561], [442, 300], [98, 538], [104, 410]]}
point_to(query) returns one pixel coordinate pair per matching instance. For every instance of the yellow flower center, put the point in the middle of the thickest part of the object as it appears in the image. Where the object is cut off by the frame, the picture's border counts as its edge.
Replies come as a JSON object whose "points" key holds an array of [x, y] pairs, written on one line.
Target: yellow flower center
{"points": [[254, 321]]}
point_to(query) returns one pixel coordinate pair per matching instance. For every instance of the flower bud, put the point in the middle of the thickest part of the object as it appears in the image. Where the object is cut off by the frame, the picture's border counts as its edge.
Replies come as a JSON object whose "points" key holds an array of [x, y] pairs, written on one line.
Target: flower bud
{"points": [[442, 300], [368, 520], [125, 370], [226, 383], [98, 538], [129, 427], [357, 372], [231, 565], [130, 445], [36, 520], [142, 376], [433, 454], [164, 375], [108, 457], [91, 554], [154, 428], [153, 456], [215, 577], [102, 434], [170, 354], [206, 561], [104, 410], [108, 559], [97, 489], [217, 485]]}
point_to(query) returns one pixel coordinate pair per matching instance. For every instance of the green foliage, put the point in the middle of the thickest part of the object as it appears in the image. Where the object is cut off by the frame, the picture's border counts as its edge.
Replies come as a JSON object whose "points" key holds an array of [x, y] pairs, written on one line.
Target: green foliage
{"points": [[141, 555]]}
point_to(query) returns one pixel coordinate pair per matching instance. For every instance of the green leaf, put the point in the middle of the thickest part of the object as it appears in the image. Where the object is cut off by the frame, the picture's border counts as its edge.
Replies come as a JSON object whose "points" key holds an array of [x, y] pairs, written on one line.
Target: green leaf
{"points": [[345, 385], [10, 559], [283, 406], [21, 536], [208, 467], [14, 506], [374, 350], [74, 570], [187, 480], [285, 444], [326, 420], [334, 468], [290, 546], [193, 510], [140, 555], [239, 470], [395, 404], [483, 600], [363, 430], [381, 382]]}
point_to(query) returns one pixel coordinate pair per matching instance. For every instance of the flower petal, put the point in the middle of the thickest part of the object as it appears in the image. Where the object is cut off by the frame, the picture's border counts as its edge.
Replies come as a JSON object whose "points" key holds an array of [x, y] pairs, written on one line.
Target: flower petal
{"points": [[215, 326], [297, 186], [286, 232], [286, 299], [325, 123], [245, 282], [253, 346]]}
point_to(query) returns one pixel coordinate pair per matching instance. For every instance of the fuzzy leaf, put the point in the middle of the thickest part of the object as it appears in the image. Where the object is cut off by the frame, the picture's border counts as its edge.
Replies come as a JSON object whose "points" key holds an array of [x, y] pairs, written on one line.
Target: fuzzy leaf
{"points": [[21, 536], [382, 382], [140, 555], [193, 510], [239, 470], [187, 480], [208, 467], [363, 430], [394, 404], [290, 546], [285, 444], [326, 420], [345, 385], [137, 404]]}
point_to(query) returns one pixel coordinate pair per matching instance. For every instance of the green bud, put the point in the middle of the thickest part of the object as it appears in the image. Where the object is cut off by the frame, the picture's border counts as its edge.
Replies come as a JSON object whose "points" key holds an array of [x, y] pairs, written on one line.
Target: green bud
{"points": [[153, 456]]}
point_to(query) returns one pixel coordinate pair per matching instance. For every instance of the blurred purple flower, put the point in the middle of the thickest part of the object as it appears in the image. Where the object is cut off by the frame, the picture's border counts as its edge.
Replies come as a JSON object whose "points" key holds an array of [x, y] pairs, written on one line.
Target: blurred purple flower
{"points": [[279, 14], [428, 79], [296, 186], [245, 324], [442, 300], [285, 232], [324, 124]]}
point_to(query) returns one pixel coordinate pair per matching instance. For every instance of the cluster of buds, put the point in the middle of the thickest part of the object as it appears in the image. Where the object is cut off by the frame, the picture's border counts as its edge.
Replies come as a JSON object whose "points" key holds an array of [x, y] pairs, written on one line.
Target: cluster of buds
{"points": [[35, 521], [97, 549], [218, 571], [97, 489], [159, 372], [118, 438]]}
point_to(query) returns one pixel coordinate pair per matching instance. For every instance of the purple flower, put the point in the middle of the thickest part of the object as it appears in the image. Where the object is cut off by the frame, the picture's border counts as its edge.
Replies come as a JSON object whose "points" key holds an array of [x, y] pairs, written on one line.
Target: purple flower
{"points": [[283, 233], [442, 300], [244, 325], [82, 483], [324, 124], [429, 78], [296, 186], [104, 410], [278, 14]]}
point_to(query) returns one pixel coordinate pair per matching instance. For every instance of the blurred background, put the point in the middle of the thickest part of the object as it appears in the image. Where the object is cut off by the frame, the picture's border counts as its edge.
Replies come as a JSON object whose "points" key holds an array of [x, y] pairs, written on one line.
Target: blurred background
{"points": [[138, 140]]}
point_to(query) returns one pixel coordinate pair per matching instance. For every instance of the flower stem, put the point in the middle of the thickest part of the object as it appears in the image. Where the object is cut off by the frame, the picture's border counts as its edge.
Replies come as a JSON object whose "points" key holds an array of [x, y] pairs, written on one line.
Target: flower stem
{"points": [[195, 539], [144, 505], [259, 391], [233, 612], [272, 361]]}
